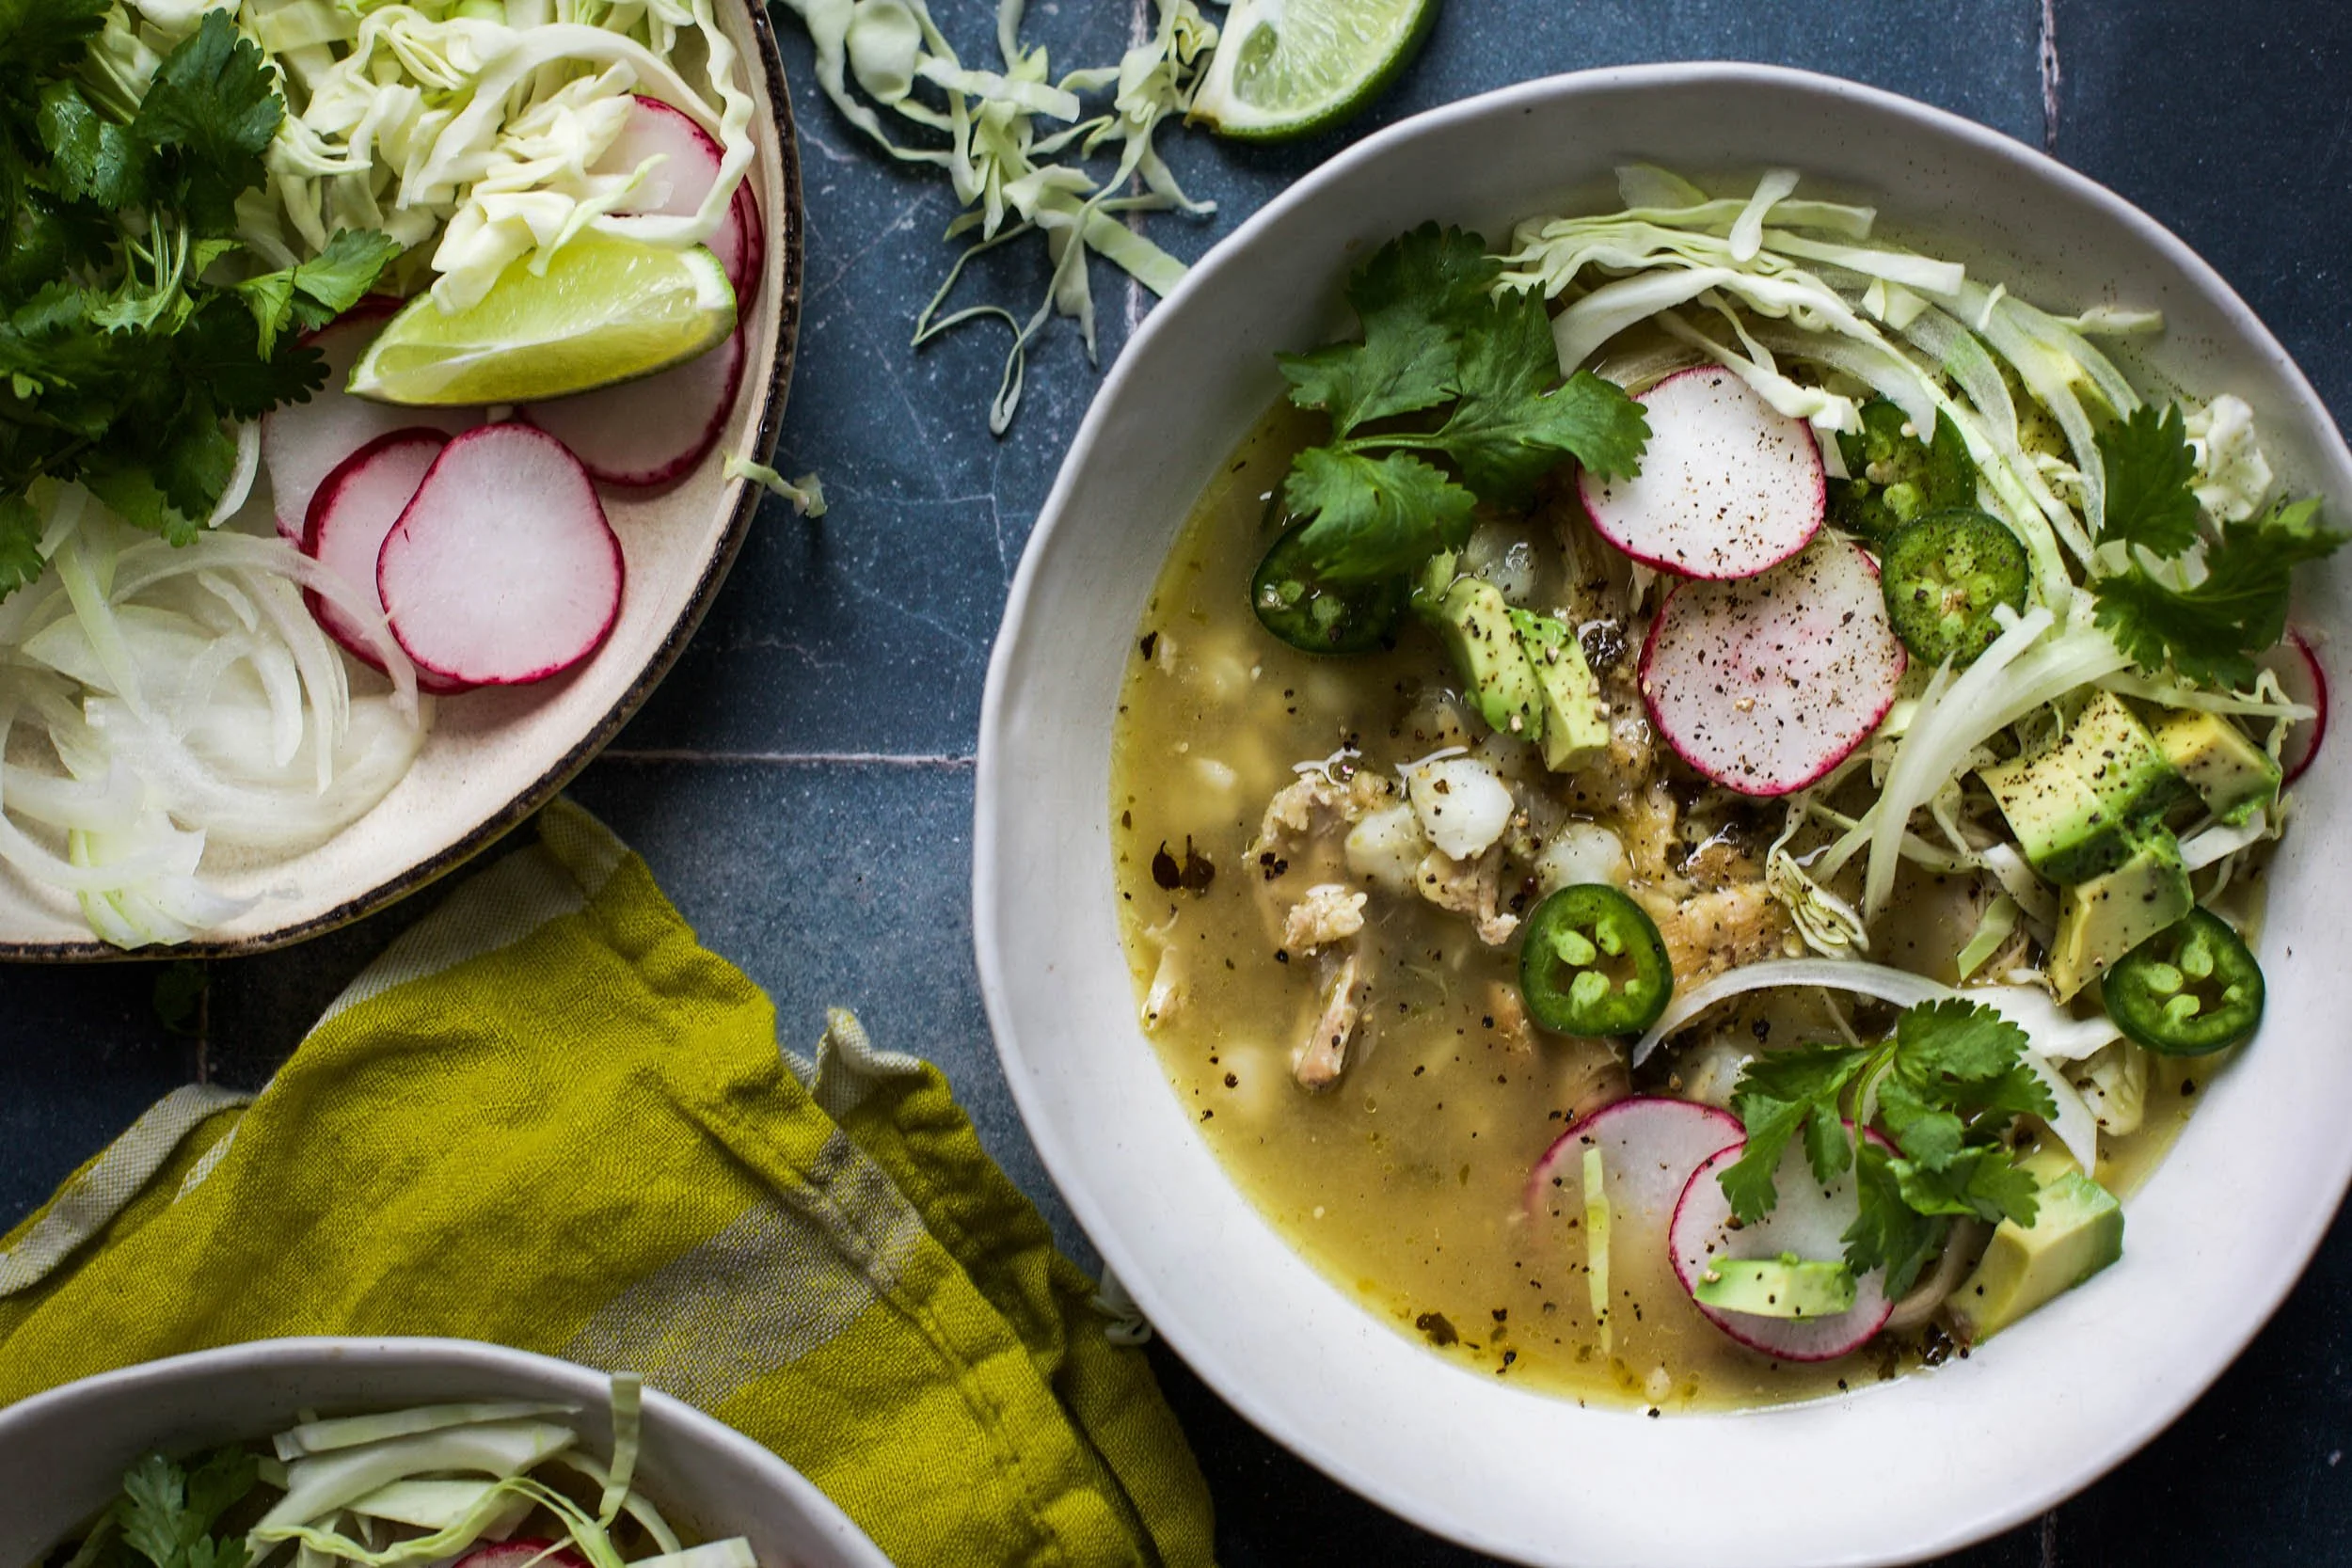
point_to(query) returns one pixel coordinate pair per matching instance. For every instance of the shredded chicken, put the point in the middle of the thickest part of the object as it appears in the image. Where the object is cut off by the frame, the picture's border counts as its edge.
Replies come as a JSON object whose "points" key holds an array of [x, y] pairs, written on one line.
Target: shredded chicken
{"points": [[1303, 839], [1472, 888], [1707, 933], [1323, 1056], [1330, 913]]}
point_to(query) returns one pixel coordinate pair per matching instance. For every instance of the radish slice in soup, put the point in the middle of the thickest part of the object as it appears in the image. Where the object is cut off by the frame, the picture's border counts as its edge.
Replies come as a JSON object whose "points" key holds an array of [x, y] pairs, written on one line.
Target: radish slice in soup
{"points": [[1766, 684], [1729, 485], [1811, 1221], [2296, 662], [1649, 1146]]}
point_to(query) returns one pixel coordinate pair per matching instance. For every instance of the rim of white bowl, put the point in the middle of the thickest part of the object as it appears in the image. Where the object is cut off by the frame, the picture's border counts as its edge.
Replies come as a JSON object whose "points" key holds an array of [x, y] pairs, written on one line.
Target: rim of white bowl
{"points": [[266, 1358], [1199, 1347]]}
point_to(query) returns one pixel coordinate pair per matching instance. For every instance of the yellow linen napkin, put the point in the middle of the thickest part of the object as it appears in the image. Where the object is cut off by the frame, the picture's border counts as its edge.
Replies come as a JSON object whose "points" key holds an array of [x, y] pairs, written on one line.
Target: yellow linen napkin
{"points": [[549, 1118]]}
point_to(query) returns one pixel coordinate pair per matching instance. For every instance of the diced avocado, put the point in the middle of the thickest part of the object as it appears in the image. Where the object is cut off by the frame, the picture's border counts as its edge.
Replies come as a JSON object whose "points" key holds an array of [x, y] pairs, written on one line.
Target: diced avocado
{"points": [[1576, 721], [1498, 678], [2101, 920], [2074, 808], [2234, 777], [2077, 1230], [1783, 1287]]}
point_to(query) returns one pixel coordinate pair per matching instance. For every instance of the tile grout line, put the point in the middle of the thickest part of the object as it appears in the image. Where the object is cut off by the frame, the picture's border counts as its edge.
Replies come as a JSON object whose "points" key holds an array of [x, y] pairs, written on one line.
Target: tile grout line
{"points": [[2049, 1540], [793, 759], [2046, 57]]}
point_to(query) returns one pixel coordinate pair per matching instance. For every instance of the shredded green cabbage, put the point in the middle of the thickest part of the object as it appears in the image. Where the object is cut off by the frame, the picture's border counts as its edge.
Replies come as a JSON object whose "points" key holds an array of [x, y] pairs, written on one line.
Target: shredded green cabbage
{"points": [[1014, 177], [484, 123]]}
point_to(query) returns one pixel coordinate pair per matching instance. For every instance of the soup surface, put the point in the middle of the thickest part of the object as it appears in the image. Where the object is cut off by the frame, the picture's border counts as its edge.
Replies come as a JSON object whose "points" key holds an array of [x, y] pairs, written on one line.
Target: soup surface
{"points": [[1240, 765]]}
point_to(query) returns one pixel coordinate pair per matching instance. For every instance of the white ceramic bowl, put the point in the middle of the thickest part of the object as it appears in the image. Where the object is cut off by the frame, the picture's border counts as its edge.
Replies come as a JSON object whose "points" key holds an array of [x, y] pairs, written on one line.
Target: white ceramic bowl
{"points": [[1893, 1472], [63, 1453]]}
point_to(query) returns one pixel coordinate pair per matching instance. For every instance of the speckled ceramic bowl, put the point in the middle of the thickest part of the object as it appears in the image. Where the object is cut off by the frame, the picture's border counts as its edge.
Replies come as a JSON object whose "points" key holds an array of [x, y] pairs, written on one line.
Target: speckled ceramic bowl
{"points": [[496, 755], [64, 1452], [1891, 1472]]}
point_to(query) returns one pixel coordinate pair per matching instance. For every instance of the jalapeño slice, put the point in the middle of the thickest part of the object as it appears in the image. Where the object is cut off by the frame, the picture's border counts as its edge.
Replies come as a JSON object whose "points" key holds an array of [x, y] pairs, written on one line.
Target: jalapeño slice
{"points": [[1894, 477], [1593, 963], [1943, 574], [2190, 989], [1298, 605]]}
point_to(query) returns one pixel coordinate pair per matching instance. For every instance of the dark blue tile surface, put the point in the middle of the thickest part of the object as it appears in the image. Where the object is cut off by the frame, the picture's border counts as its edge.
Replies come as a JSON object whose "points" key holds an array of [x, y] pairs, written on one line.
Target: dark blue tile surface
{"points": [[803, 784]]}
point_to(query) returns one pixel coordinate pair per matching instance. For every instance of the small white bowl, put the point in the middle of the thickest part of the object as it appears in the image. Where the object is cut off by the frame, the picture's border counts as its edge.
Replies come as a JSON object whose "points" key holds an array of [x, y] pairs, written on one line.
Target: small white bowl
{"points": [[64, 1452], [1892, 1472]]}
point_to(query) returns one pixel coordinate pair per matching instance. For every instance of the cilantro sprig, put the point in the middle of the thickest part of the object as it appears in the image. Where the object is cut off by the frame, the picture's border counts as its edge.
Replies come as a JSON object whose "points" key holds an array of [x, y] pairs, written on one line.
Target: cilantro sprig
{"points": [[1943, 1090], [167, 1512], [1447, 370], [2207, 630], [133, 324]]}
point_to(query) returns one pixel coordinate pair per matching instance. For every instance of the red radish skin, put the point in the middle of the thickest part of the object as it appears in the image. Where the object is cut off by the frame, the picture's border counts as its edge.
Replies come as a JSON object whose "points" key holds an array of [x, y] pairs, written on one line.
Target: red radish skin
{"points": [[747, 251], [526, 1552], [2295, 662], [1810, 1220], [353, 511], [502, 570], [1765, 684], [303, 442], [644, 434], [1729, 485]]}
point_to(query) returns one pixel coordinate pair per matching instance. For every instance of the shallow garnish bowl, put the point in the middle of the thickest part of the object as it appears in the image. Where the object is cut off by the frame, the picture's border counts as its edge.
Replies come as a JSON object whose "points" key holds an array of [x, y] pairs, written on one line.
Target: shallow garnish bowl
{"points": [[64, 1452], [1886, 1473]]}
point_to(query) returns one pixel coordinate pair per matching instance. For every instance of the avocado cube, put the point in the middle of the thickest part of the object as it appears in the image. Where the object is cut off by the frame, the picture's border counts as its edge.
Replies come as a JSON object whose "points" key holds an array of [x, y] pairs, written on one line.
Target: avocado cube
{"points": [[2101, 920], [2077, 1230], [2234, 777], [2074, 807], [1576, 721], [1498, 678]]}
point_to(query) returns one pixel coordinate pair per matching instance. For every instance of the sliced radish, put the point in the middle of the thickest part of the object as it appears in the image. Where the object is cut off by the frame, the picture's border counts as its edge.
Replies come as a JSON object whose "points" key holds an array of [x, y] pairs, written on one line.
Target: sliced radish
{"points": [[1766, 684], [522, 1553], [303, 442], [502, 570], [2296, 662], [1810, 1220], [675, 186], [646, 432], [1729, 485], [741, 244], [355, 507], [1649, 1146]]}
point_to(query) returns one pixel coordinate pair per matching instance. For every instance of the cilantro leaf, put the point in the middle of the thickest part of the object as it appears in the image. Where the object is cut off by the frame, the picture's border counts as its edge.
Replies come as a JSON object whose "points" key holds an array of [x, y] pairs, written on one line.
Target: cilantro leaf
{"points": [[1962, 1039], [1777, 1094], [167, 1512], [1509, 428], [2151, 472], [1980, 1182], [1926, 1133], [1412, 296], [19, 541], [47, 37], [90, 157], [1887, 1232], [215, 101], [2209, 632], [1375, 517], [316, 291]]}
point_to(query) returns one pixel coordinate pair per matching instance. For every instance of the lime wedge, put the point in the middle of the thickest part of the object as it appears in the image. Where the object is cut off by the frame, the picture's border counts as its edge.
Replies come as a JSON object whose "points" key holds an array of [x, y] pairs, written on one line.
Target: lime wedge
{"points": [[1285, 67], [607, 310]]}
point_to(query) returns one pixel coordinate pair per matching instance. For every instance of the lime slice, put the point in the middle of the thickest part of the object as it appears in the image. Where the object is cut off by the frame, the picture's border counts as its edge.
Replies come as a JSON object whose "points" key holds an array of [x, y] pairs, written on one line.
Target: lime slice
{"points": [[1285, 67], [607, 310]]}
